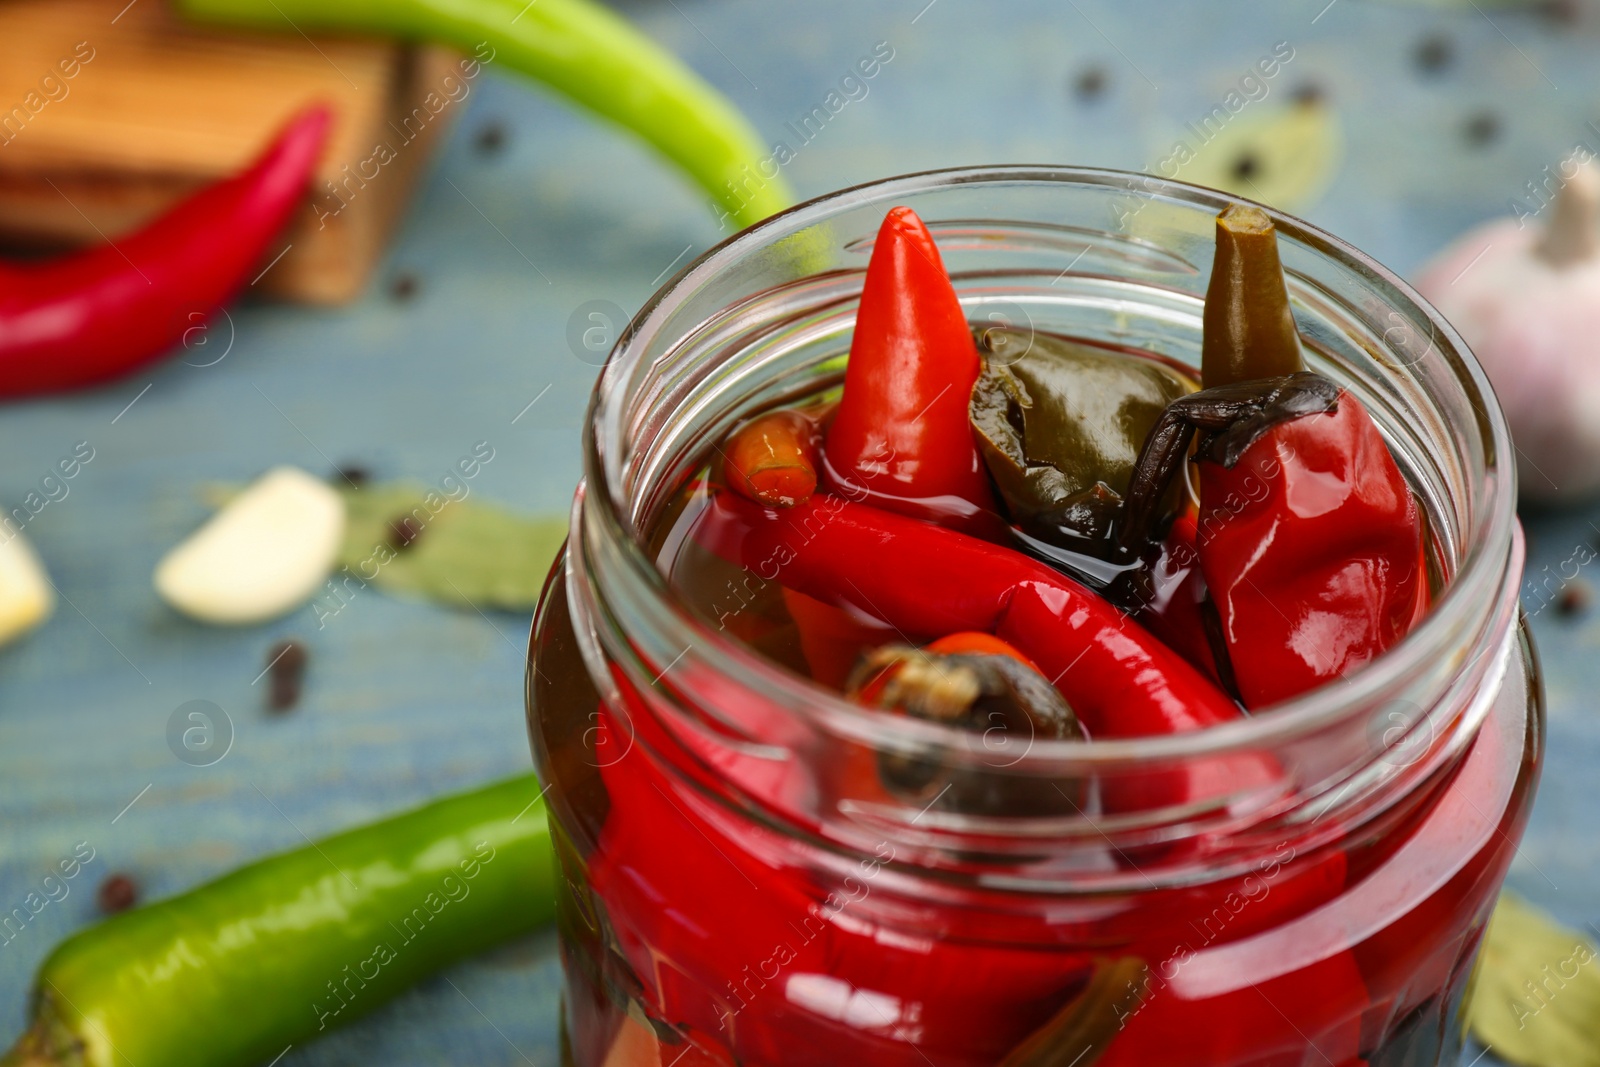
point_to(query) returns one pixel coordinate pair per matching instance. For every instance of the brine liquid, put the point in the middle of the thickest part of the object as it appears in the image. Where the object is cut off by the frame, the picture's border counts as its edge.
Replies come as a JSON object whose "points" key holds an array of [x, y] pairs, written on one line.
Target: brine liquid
{"points": [[644, 941], [692, 935]]}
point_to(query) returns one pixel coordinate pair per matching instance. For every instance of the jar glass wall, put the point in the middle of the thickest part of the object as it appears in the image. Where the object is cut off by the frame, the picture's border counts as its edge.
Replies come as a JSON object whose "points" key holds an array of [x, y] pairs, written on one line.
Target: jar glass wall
{"points": [[736, 893]]}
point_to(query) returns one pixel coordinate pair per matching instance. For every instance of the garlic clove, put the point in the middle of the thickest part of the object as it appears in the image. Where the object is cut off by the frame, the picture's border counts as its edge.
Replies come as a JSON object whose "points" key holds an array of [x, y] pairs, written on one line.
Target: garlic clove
{"points": [[1526, 299], [26, 596], [264, 554]]}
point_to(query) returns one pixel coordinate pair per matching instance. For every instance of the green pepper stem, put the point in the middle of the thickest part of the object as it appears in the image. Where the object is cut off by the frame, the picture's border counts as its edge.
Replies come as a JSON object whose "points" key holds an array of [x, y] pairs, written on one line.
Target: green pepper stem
{"points": [[580, 49], [1249, 329], [47, 1042]]}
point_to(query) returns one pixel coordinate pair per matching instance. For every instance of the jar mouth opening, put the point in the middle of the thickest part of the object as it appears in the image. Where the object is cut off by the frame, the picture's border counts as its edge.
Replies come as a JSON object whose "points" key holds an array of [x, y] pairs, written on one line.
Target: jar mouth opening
{"points": [[1479, 574]]}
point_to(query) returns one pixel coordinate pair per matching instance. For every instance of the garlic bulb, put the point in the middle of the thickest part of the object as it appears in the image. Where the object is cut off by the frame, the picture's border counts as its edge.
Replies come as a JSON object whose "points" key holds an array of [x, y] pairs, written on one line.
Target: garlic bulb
{"points": [[1526, 299], [26, 595], [264, 554]]}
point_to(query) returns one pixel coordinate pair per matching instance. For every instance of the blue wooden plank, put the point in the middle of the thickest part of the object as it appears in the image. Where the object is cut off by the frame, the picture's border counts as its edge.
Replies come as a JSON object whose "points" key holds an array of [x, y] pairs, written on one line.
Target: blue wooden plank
{"points": [[404, 701]]}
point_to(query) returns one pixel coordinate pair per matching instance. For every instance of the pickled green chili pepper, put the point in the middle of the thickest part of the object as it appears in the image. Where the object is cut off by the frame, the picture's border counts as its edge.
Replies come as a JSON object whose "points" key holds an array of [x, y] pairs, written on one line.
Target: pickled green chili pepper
{"points": [[1060, 425], [578, 48], [232, 972]]}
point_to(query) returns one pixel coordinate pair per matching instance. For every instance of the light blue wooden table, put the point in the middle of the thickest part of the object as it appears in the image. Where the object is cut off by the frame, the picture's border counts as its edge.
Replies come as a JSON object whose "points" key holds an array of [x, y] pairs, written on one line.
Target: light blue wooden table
{"points": [[405, 701]]}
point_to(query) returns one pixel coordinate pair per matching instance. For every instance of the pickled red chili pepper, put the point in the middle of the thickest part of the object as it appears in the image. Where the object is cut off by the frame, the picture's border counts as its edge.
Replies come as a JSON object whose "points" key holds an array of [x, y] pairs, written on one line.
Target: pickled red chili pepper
{"points": [[901, 438], [978, 643], [1323, 572], [927, 580], [772, 459], [1308, 536], [750, 953], [1172, 603]]}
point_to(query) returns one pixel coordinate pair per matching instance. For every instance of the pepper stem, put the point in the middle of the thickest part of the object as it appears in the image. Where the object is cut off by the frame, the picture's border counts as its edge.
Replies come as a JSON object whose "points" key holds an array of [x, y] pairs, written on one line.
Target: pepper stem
{"points": [[1231, 418], [43, 1045], [1077, 1034], [1249, 330], [1571, 237]]}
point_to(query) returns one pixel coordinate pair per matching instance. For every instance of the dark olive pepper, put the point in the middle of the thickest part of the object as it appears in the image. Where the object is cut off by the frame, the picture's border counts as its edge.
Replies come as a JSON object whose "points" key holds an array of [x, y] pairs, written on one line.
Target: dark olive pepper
{"points": [[1082, 1028], [1249, 329], [1006, 702], [1060, 425]]}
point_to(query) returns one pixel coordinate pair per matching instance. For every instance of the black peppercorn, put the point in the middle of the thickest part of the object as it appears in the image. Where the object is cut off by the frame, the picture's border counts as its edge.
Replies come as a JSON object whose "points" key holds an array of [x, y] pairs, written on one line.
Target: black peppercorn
{"points": [[117, 893], [286, 671]]}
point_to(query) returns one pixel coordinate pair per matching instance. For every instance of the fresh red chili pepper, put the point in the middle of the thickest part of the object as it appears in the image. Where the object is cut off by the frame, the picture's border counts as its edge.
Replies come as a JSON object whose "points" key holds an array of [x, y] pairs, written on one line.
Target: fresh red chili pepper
{"points": [[901, 438], [772, 459], [93, 315]]}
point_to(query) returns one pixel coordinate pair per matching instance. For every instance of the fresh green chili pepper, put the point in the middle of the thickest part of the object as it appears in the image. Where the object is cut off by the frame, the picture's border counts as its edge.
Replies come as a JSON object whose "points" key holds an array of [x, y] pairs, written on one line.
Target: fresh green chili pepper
{"points": [[1060, 425], [228, 974], [581, 50]]}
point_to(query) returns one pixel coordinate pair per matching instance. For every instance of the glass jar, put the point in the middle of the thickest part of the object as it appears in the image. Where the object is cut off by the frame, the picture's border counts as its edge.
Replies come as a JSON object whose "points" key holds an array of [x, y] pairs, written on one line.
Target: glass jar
{"points": [[733, 895]]}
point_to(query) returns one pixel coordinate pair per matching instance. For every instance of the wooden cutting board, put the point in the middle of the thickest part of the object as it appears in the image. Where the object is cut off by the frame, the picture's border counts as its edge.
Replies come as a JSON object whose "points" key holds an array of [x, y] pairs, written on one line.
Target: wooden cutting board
{"points": [[111, 111]]}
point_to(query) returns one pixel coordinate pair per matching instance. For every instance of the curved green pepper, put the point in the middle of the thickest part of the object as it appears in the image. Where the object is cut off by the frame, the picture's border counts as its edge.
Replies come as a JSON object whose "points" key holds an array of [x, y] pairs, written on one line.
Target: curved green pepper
{"points": [[230, 973], [580, 49]]}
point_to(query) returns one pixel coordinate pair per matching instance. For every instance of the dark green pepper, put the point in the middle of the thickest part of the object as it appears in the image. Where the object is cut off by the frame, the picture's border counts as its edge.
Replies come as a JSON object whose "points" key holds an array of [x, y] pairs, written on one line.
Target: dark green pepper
{"points": [[1060, 426], [228, 974]]}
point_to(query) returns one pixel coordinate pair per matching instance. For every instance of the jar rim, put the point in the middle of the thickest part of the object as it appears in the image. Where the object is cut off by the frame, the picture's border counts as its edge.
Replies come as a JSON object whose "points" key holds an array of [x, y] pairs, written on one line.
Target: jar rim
{"points": [[1482, 568]]}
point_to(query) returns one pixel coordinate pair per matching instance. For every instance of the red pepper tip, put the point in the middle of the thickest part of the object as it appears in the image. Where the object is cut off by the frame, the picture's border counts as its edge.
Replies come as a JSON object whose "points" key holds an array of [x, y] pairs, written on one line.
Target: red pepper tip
{"points": [[977, 643], [904, 224], [311, 122], [905, 228]]}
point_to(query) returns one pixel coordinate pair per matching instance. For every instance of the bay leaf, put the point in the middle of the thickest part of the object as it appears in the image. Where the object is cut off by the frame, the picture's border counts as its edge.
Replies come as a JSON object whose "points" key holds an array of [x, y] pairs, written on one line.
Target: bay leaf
{"points": [[1535, 999], [1282, 155], [467, 552]]}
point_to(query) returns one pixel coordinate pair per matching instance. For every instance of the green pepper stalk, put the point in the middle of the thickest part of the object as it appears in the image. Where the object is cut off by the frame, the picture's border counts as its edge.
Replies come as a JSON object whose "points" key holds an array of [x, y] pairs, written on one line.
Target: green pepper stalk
{"points": [[580, 49], [230, 973]]}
